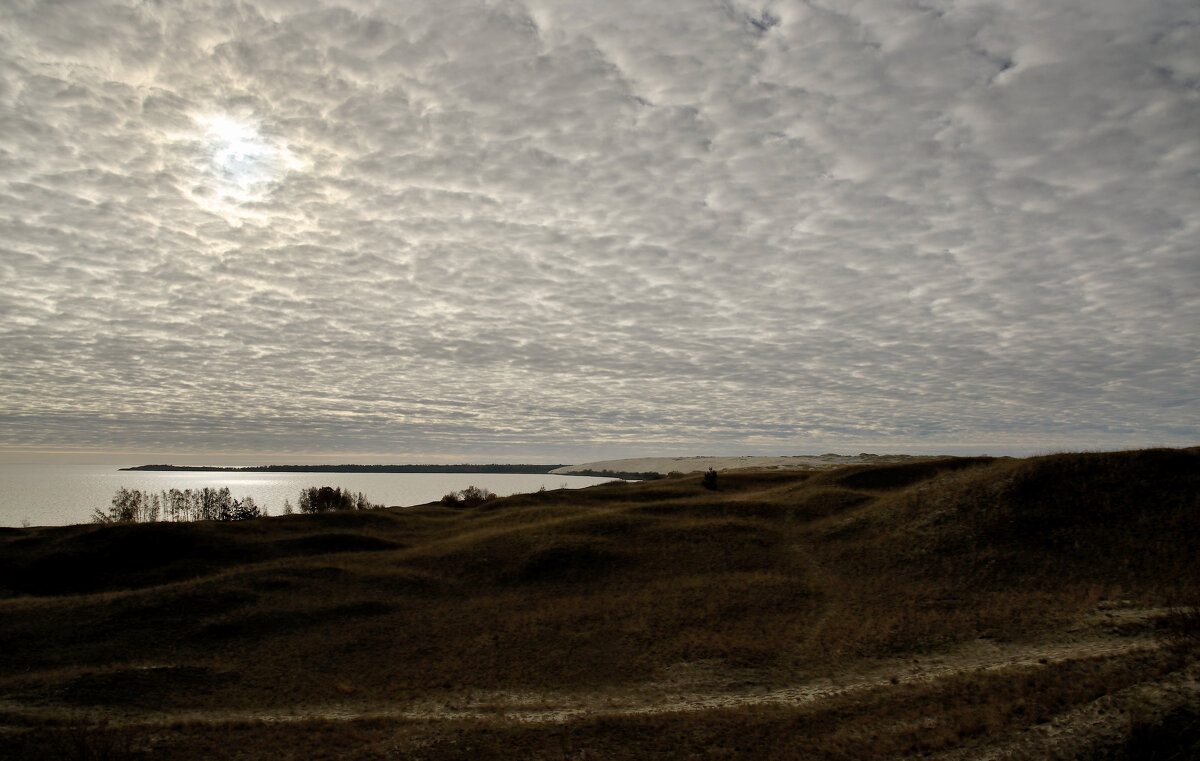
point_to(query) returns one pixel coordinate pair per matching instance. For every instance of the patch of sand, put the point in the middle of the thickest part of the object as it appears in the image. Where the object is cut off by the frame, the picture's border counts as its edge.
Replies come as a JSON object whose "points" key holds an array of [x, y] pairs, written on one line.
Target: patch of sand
{"points": [[695, 687]]}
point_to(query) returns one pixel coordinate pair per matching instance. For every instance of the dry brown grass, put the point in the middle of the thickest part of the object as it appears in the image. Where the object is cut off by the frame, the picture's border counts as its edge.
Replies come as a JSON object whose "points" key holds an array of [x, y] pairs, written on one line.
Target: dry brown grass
{"points": [[775, 577]]}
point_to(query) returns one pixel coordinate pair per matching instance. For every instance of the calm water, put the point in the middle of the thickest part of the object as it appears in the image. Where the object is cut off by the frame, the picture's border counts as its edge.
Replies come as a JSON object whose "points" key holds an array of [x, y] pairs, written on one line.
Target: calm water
{"points": [[56, 495]]}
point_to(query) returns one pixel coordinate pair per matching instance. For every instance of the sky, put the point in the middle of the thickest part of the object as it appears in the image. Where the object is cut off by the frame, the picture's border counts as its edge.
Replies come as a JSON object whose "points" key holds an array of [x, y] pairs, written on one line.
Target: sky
{"points": [[541, 231]]}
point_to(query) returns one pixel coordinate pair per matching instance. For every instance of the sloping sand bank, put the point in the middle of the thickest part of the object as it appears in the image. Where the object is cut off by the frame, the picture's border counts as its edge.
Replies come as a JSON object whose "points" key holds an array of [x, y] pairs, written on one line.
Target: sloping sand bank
{"points": [[666, 465]]}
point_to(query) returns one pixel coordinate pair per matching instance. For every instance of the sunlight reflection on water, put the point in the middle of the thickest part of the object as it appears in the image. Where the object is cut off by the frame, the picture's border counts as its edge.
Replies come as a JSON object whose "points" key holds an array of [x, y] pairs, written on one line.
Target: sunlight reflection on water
{"points": [[49, 495]]}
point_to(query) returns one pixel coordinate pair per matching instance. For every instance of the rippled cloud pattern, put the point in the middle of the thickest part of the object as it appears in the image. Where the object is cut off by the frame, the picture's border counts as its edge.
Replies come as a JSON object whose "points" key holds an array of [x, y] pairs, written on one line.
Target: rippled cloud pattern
{"points": [[578, 230]]}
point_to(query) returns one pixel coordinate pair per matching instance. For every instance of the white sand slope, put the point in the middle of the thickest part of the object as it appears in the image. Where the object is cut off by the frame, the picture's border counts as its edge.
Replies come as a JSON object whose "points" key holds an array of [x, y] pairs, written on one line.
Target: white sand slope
{"points": [[666, 465]]}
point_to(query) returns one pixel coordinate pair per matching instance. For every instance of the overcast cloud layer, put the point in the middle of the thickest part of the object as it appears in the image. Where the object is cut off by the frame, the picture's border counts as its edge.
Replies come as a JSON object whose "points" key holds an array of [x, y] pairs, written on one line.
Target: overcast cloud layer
{"points": [[575, 230]]}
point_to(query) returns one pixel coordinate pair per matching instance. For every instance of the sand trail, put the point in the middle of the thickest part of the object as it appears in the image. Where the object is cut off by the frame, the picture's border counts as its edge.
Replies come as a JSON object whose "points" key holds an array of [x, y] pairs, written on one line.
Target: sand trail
{"points": [[684, 688]]}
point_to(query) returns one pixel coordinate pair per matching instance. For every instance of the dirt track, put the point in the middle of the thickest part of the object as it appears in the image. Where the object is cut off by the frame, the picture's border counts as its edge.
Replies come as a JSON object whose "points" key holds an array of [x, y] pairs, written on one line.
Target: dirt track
{"points": [[701, 687], [694, 687]]}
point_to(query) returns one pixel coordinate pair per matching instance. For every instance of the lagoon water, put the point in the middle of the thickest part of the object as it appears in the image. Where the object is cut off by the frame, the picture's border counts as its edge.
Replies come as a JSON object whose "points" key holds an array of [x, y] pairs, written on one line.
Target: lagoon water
{"points": [[56, 495]]}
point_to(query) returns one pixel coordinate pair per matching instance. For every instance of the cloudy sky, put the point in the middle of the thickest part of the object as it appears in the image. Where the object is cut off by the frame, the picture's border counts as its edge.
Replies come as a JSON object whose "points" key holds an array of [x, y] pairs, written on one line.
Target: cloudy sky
{"points": [[561, 231]]}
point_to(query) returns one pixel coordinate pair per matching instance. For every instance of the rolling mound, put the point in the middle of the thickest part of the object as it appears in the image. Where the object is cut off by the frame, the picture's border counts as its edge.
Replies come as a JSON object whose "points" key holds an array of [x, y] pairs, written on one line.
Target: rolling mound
{"points": [[876, 610]]}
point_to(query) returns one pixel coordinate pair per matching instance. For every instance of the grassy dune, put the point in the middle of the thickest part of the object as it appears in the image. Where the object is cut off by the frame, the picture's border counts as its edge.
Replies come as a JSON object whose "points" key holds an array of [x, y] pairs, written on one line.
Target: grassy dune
{"points": [[874, 611]]}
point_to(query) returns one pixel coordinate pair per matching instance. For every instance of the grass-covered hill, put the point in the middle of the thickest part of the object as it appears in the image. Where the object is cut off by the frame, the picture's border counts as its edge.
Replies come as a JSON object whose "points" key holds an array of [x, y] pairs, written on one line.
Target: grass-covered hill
{"points": [[873, 611]]}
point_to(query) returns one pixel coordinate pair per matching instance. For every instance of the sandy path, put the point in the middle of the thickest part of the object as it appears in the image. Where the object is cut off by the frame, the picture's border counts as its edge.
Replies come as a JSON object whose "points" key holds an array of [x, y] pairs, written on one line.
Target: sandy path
{"points": [[688, 689], [1101, 723]]}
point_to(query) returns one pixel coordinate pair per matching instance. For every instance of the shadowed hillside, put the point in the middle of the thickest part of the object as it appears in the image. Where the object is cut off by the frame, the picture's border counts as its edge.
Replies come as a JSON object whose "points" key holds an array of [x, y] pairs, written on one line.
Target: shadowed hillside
{"points": [[651, 620]]}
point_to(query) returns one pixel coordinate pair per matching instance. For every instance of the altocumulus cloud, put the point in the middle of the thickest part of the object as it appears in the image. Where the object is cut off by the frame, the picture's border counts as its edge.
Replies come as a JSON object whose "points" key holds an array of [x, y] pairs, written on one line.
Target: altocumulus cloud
{"points": [[576, 229]]}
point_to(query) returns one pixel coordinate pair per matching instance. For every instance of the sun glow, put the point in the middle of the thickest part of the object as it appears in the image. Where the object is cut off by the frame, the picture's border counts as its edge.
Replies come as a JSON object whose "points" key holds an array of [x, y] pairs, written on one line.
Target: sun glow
{"points": [[238, 165], [240, 156]]}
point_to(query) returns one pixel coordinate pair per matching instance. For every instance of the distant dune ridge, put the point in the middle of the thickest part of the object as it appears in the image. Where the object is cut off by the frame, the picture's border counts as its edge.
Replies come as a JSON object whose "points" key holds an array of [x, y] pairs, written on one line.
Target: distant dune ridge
{"points": [[665, 465]]}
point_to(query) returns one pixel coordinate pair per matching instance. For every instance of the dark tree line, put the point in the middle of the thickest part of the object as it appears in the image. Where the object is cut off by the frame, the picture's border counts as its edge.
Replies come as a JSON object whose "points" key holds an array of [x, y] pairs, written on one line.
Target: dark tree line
{"points": [[326, 498], [624, 475], [208, 504], [461, 468]]}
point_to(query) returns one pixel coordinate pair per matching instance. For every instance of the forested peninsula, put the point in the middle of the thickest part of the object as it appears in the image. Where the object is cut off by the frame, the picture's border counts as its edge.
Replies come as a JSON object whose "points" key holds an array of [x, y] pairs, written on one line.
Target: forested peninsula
{"points": [[492, 468]]}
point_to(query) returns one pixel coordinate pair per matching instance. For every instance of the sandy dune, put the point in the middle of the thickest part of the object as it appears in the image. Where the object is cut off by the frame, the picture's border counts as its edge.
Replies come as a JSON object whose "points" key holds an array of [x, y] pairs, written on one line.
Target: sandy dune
{"points": [[666, 465]]}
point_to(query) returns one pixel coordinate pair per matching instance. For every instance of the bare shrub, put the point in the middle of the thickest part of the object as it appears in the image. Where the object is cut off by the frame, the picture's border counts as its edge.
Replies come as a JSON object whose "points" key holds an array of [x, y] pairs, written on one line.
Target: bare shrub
{"points": [[472, 496]]}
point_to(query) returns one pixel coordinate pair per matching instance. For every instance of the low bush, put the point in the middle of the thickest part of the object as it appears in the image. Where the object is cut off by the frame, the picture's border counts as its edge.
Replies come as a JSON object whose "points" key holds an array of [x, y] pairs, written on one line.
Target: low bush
{"points": [[324, 499], [472, 496]]}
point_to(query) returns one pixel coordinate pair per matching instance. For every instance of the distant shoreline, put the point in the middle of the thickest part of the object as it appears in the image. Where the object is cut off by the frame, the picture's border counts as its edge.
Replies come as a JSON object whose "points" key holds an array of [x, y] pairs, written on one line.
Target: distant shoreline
{"points": [[524, 469], [648, 466]]}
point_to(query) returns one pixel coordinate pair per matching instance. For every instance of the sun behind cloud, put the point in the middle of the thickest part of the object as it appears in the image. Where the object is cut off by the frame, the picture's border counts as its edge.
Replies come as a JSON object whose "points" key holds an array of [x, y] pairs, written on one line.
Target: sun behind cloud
{"points": [[237, 165]]}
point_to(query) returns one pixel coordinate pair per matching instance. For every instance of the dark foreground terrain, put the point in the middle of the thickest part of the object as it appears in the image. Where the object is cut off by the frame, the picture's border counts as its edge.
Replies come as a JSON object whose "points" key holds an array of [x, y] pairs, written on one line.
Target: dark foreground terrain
{"points": [[954, 609]]}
